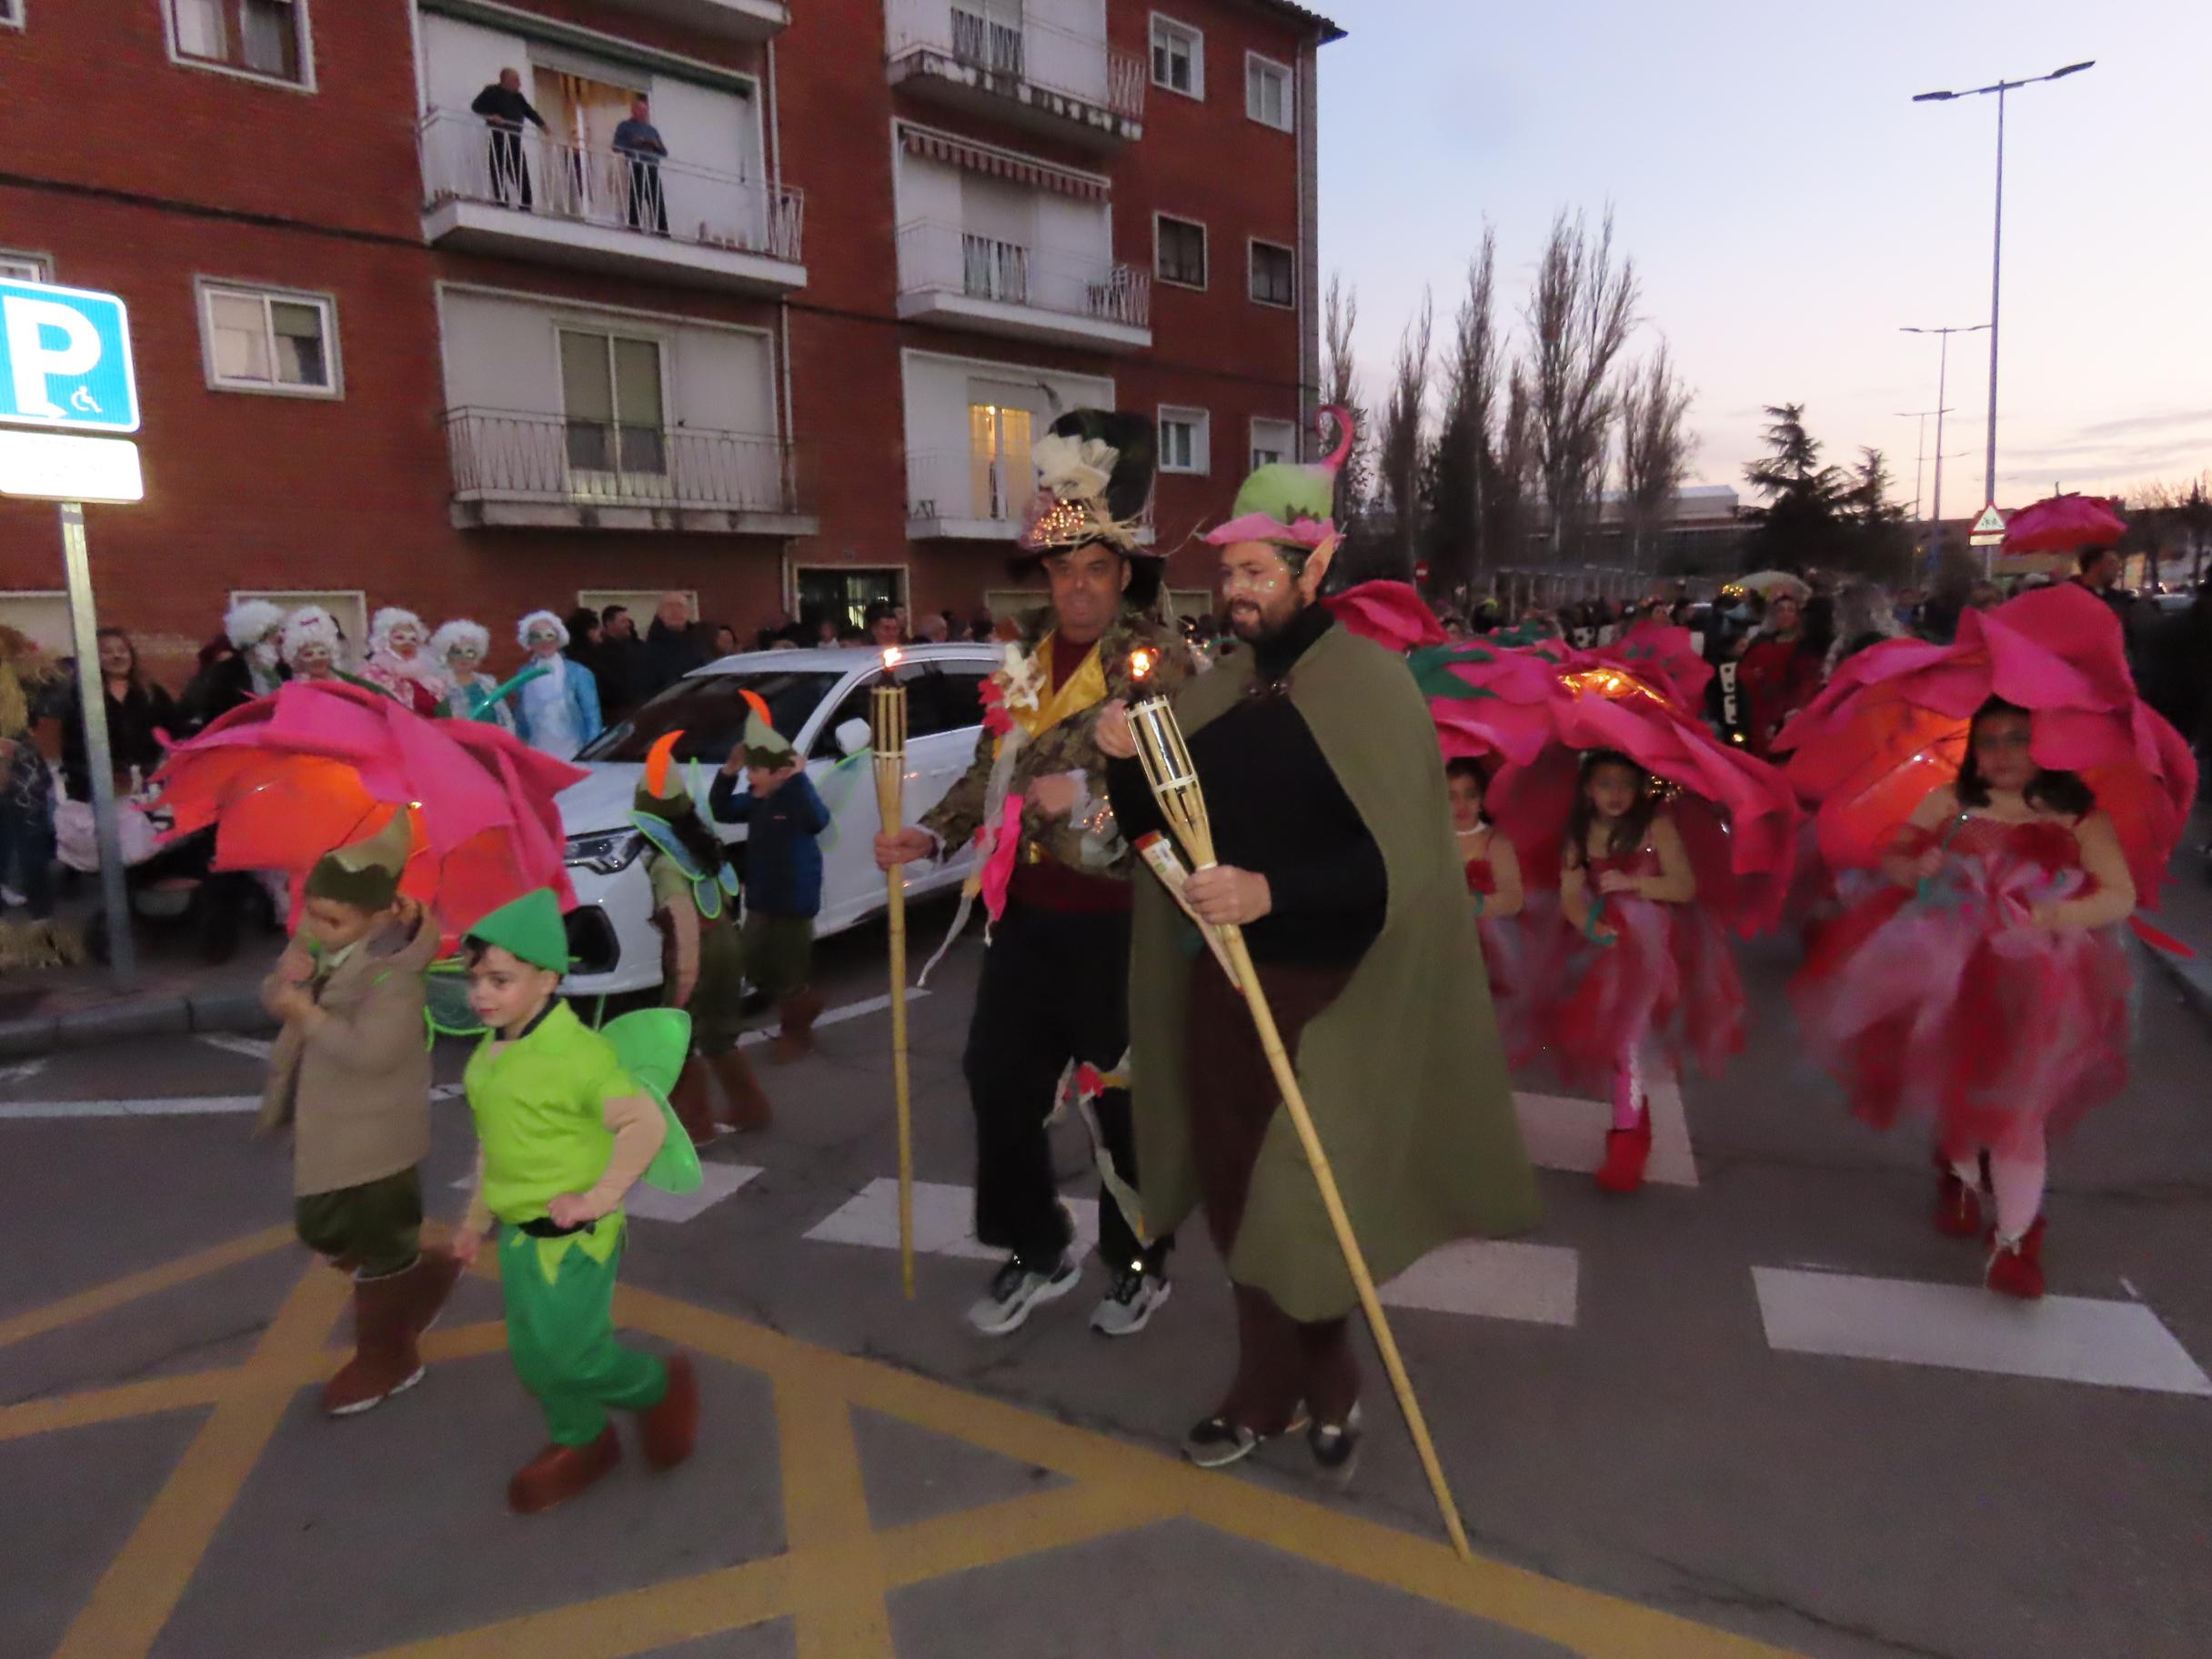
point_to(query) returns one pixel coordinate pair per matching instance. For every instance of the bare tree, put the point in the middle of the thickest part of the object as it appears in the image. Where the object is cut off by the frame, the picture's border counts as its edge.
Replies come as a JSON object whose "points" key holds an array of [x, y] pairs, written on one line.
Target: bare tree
{"points": [[1463, 475], [1340, 385], [1404, 446], [1506, 529], [1654, 449], [1581, 312]]}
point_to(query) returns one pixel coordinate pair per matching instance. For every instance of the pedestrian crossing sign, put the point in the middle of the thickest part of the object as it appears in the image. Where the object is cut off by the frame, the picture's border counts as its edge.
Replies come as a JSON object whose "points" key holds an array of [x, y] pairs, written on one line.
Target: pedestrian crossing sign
{"points": [[1988, 529]]}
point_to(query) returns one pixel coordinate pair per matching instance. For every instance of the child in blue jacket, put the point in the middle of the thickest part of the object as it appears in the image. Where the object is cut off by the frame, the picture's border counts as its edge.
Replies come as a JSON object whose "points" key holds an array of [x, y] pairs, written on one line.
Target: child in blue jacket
{"points": [[784, 815]]}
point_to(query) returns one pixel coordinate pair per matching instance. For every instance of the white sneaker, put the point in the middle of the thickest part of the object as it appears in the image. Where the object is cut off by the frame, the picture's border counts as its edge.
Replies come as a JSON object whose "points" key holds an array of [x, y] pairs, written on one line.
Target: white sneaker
{"points": [[12, 900], [1015, 1291], [1128, 1305]]}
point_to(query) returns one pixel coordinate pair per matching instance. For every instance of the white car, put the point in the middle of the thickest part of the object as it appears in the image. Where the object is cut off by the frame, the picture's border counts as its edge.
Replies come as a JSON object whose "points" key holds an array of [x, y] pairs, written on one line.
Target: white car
{"points": [[817, 699]]}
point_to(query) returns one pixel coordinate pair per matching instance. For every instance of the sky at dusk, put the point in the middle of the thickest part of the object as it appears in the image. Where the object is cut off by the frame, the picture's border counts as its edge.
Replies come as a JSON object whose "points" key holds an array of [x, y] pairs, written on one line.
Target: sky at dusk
{"points": [[1789, 207]]}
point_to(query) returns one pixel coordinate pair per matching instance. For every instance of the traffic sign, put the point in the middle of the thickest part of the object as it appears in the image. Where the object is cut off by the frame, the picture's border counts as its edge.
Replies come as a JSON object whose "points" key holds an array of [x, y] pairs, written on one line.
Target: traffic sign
{"points": [[1988, 529], [65, 359], [1421, 571]]}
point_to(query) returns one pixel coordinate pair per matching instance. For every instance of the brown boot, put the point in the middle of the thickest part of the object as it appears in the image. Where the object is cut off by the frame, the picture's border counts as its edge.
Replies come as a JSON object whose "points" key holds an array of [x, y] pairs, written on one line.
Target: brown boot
{"points": [[691, 1102], [800, 1010], [429, 1284], [669, 1430], [559, 1473], [384, 1360], [745, 1104]]}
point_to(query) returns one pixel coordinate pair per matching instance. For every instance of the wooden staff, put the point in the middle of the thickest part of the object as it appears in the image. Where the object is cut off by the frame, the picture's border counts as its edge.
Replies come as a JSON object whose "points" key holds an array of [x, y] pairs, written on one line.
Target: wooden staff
{"points": [[1175, 782], [887, 732]]}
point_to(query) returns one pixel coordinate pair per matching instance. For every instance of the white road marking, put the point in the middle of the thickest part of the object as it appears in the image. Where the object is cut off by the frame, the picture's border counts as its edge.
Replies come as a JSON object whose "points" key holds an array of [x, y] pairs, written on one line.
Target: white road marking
{"points": [[2069, 1339], [836, 1016], [23, 1072], [253, 1048], [182, 1106], [1566, 1133], [1532, 1283]]}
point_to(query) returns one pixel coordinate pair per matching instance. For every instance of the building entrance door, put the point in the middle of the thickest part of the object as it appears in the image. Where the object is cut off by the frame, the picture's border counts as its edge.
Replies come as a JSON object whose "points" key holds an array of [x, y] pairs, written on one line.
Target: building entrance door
{"points": [[841, 594]]}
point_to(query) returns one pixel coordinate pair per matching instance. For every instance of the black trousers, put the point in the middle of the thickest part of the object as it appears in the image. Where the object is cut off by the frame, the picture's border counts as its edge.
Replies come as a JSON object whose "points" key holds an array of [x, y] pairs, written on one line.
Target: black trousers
{"points": [[510, 169], [1055, 989], [648, 209]]}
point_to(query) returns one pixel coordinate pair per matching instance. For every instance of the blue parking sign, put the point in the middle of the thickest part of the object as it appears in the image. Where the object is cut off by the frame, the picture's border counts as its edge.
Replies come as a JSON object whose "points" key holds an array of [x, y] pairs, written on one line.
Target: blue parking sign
{"points": [[65, 359]]}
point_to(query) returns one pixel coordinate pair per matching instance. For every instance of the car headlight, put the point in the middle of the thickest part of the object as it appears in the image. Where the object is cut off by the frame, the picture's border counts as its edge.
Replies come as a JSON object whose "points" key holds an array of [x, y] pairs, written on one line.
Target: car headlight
{"points": [[609, 852]]}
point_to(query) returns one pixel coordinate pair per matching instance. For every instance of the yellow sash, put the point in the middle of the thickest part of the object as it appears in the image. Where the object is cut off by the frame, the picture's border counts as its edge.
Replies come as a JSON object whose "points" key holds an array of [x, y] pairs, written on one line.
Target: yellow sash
{"points": [[1081, 691]]}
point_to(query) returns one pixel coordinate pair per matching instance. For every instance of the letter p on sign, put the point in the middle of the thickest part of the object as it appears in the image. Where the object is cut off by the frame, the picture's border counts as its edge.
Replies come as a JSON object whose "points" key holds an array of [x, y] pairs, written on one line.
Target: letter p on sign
{"points": [[65, 359]]}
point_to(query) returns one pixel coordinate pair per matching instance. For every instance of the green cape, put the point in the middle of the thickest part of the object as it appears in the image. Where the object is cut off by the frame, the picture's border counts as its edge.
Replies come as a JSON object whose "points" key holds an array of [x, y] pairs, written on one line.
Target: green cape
{"points": [[1403, 1074]]}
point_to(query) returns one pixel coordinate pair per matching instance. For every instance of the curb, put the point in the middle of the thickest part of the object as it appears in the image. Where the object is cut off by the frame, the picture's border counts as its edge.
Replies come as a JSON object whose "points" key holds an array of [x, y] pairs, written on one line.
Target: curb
{"points": [[128, 1017], [2190, 976]]}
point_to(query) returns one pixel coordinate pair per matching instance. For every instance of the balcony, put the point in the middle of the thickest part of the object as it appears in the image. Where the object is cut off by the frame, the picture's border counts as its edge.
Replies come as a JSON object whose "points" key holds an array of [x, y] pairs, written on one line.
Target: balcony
{"points": [[748, 20], [529, 195], [958, 279], [1034, 74], [514, 471], [957, 494]]}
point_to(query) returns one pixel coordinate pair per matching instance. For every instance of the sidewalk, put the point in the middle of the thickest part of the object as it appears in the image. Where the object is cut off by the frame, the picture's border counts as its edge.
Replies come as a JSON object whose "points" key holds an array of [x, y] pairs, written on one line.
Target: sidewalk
{"points": [[2185, 910], [175, 992]]}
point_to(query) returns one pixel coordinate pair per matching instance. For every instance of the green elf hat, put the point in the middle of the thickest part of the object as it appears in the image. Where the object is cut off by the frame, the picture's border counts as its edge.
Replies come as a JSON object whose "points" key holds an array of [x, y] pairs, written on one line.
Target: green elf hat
{"points": [[1288, 503], [529, 928], [661, 793], [366, 873], [764, 745]]}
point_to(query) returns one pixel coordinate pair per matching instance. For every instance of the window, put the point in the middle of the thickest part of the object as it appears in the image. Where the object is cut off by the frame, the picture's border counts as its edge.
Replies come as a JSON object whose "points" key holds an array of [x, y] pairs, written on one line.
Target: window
{"points": [[1182, 440], [1274, 275], [1267, 92], [23, 267], [939, 700], [263, 38], [270, 340], [1181, 244], [610, 393], [1273, 441], [1001, 475], [11, 13], [1178, 57]]}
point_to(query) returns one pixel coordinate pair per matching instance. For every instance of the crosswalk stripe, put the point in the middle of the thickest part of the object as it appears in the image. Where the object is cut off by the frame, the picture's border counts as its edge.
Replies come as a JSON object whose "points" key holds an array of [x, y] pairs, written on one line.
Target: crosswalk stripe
{"points": [[1535, 1283], [1562, 1132], [836, 1016], [253, 1048], [181, 1106], [2070, 1338]]}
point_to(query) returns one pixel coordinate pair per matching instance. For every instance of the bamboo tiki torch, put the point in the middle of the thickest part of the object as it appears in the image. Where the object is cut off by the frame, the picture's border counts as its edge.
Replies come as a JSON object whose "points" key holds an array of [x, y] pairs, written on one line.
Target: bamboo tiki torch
{"points": [[887, 731], [1174, 782]]}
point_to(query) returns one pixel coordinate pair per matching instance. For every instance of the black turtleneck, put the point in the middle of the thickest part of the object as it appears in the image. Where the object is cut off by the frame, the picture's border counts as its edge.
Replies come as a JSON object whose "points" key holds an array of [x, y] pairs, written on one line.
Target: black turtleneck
{"points": [[1278, 810]]}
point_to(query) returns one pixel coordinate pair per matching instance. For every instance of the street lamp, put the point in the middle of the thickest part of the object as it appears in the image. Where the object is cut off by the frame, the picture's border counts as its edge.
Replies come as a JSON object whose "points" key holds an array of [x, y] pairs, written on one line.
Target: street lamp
{"points": [[1943, 371], [1996, 257], [1920, 451]]}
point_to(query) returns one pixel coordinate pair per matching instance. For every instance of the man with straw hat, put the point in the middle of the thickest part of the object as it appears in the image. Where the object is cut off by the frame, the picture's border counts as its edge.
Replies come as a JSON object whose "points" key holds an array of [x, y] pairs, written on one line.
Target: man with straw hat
{"points": [[1056, 878], [1326, 792]]}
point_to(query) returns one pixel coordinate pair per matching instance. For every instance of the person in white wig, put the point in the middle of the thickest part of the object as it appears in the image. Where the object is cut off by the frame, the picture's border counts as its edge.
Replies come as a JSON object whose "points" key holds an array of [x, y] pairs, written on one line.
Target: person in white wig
{"points": [[311, 644], [231, 678], [461, 647], [558, 709], [399, 663]]}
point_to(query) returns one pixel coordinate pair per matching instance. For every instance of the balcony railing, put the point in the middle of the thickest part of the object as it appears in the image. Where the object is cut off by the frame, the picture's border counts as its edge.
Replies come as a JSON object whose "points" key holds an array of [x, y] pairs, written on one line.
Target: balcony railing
{"points": [[1042, 55], [463, 159], [940, 258], [958, 483], [499, 455]]}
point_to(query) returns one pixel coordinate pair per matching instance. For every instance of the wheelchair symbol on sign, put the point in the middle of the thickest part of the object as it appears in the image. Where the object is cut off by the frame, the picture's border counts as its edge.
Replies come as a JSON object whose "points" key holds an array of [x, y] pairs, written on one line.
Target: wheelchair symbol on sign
{"points": [[84, 402]]}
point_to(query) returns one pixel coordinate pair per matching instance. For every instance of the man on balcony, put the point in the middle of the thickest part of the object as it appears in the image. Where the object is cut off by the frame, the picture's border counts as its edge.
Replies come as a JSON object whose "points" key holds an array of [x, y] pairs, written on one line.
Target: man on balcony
{"points": [[505, 109], [638, 141]]}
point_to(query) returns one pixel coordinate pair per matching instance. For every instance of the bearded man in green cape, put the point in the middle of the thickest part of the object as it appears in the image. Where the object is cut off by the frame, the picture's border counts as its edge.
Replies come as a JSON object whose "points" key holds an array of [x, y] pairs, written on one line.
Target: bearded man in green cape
{"points": [[1326, 794]]}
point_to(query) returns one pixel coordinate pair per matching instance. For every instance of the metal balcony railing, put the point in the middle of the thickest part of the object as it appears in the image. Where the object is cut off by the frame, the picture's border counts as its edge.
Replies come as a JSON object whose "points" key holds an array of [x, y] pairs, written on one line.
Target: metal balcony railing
{"points": [[1043, 55], [940, 258], [499, 455], [960, 484], [465, 159]]}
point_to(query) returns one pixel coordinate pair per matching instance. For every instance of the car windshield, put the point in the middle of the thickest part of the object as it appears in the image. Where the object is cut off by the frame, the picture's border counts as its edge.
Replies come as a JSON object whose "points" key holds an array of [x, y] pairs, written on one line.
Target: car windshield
{"points": [[710, 711]]}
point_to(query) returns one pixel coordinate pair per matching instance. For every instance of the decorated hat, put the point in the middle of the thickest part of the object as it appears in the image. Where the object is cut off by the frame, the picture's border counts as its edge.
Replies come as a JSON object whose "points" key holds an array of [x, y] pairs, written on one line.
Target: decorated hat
{"points": [[660, 792], [764, 745], [1291, 504], [1094, 482], [529, 928], [366, 873]]}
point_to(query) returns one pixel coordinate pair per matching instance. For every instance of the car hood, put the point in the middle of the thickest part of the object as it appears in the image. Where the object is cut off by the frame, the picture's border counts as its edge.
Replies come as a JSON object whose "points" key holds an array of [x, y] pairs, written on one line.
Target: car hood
{"points": [[602, 801]]}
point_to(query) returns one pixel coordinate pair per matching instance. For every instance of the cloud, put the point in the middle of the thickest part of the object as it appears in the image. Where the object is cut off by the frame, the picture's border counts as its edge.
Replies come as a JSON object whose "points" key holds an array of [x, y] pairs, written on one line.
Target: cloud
{"points": [[2147, 423]]}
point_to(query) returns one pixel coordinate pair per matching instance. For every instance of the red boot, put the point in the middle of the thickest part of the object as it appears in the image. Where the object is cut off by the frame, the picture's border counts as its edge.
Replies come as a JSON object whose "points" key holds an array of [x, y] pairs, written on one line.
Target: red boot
{"points": [[384, 1360], [1626, 1152], [670, 1429], [2016, 1270], [559, 1473], [691, 1102], [1958, 1207]]}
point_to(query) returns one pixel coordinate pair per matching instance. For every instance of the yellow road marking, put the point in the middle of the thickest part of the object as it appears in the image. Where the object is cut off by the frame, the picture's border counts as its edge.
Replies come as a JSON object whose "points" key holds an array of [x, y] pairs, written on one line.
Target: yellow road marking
{"points": [[182, 1270], [836, 1560]]}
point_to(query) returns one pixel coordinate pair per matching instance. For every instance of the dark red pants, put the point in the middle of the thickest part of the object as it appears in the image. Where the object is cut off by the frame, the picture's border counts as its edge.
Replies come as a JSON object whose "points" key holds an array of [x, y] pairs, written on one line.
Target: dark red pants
{"points": [[1280, 1362]]}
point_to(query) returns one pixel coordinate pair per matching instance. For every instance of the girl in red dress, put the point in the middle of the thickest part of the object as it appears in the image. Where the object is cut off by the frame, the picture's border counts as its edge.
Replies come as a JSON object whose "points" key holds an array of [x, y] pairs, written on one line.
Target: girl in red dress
{"points": [[1493, 877], [1656, 966], [1986, 987]]}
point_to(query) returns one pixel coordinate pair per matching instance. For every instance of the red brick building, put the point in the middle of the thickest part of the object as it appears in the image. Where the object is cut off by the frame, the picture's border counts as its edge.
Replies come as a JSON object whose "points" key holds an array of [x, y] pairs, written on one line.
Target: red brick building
{"points": [[794, 364]]}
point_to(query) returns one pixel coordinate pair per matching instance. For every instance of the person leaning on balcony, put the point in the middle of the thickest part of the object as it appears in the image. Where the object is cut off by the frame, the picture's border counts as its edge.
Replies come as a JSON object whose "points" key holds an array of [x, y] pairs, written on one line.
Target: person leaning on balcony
{"points": [[505, 109], [638, 141]]}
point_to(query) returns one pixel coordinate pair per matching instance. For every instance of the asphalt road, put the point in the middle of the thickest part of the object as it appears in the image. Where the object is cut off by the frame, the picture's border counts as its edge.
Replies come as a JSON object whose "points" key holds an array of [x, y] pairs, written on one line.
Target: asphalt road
{"points": [[1762, 1397]]}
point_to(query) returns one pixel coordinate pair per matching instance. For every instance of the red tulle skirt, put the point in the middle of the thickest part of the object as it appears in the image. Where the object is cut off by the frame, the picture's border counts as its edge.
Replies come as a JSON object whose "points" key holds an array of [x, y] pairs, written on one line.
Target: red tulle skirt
{"points": [[1949, 1005], [1669, 979]]}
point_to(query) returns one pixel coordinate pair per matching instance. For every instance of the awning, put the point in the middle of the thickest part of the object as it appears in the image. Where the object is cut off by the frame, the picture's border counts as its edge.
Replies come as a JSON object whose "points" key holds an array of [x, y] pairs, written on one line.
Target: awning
{"points": [[934, 146]]}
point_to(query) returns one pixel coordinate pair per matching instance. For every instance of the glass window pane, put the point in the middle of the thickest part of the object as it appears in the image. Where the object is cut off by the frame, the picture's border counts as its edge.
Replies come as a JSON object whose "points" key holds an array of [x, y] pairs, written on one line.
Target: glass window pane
{"points": [[271, 37], [239, 333], [637, 383], [587, 389], [711, 711], [200, 31], [298, 330]]}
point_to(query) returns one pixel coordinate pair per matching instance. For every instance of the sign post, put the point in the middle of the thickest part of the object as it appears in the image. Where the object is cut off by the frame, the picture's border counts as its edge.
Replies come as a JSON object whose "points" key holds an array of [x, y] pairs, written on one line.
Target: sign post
{"points": [[66, 370], [1988, 533]]}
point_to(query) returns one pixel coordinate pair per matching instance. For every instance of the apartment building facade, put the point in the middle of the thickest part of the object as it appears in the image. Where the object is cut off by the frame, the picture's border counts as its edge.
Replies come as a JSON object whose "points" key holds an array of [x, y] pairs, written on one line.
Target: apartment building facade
{"points": [[393, 352]]}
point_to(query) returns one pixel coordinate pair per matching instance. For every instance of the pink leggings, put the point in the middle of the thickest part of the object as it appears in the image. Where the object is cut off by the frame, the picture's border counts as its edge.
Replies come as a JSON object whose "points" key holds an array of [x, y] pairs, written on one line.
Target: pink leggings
{"points": [[1627, 1091], [2016, 1175]]}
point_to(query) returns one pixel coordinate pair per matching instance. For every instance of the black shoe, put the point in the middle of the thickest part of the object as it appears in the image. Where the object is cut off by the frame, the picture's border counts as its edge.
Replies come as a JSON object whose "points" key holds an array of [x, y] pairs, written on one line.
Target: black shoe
{"points": [[1218, 1442], [1336, 1446]]}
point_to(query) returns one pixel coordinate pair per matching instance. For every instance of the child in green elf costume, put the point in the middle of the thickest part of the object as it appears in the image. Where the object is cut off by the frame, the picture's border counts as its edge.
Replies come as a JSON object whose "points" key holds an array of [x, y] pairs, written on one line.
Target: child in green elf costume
{"points": [[568, 1118]]}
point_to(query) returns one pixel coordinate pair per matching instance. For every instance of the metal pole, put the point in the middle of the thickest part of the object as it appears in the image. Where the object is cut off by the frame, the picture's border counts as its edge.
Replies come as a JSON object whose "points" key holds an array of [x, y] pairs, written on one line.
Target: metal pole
{"points": [[92, 695], [1997, 272], [1943, 372]]}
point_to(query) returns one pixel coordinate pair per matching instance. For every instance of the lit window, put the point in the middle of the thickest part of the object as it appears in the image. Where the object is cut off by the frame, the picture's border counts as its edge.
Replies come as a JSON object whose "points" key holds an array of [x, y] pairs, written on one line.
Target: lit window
{"points": [[1179, 58], [1267, 93], [1183, 441], [1182, 252], [1274, 278], [253, 37], [270, 340], [1273, 441]]}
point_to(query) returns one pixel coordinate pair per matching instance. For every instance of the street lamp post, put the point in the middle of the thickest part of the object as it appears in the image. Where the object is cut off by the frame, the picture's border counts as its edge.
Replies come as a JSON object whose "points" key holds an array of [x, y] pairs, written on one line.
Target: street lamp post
{"points": [[1920, 453], [1943, 372], [1997, 255]]}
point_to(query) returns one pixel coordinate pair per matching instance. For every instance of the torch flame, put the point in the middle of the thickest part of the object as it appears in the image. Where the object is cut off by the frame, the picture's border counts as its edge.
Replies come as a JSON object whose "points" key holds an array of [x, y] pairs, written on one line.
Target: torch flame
{"points": [[1140, 664], [893, 656]]}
